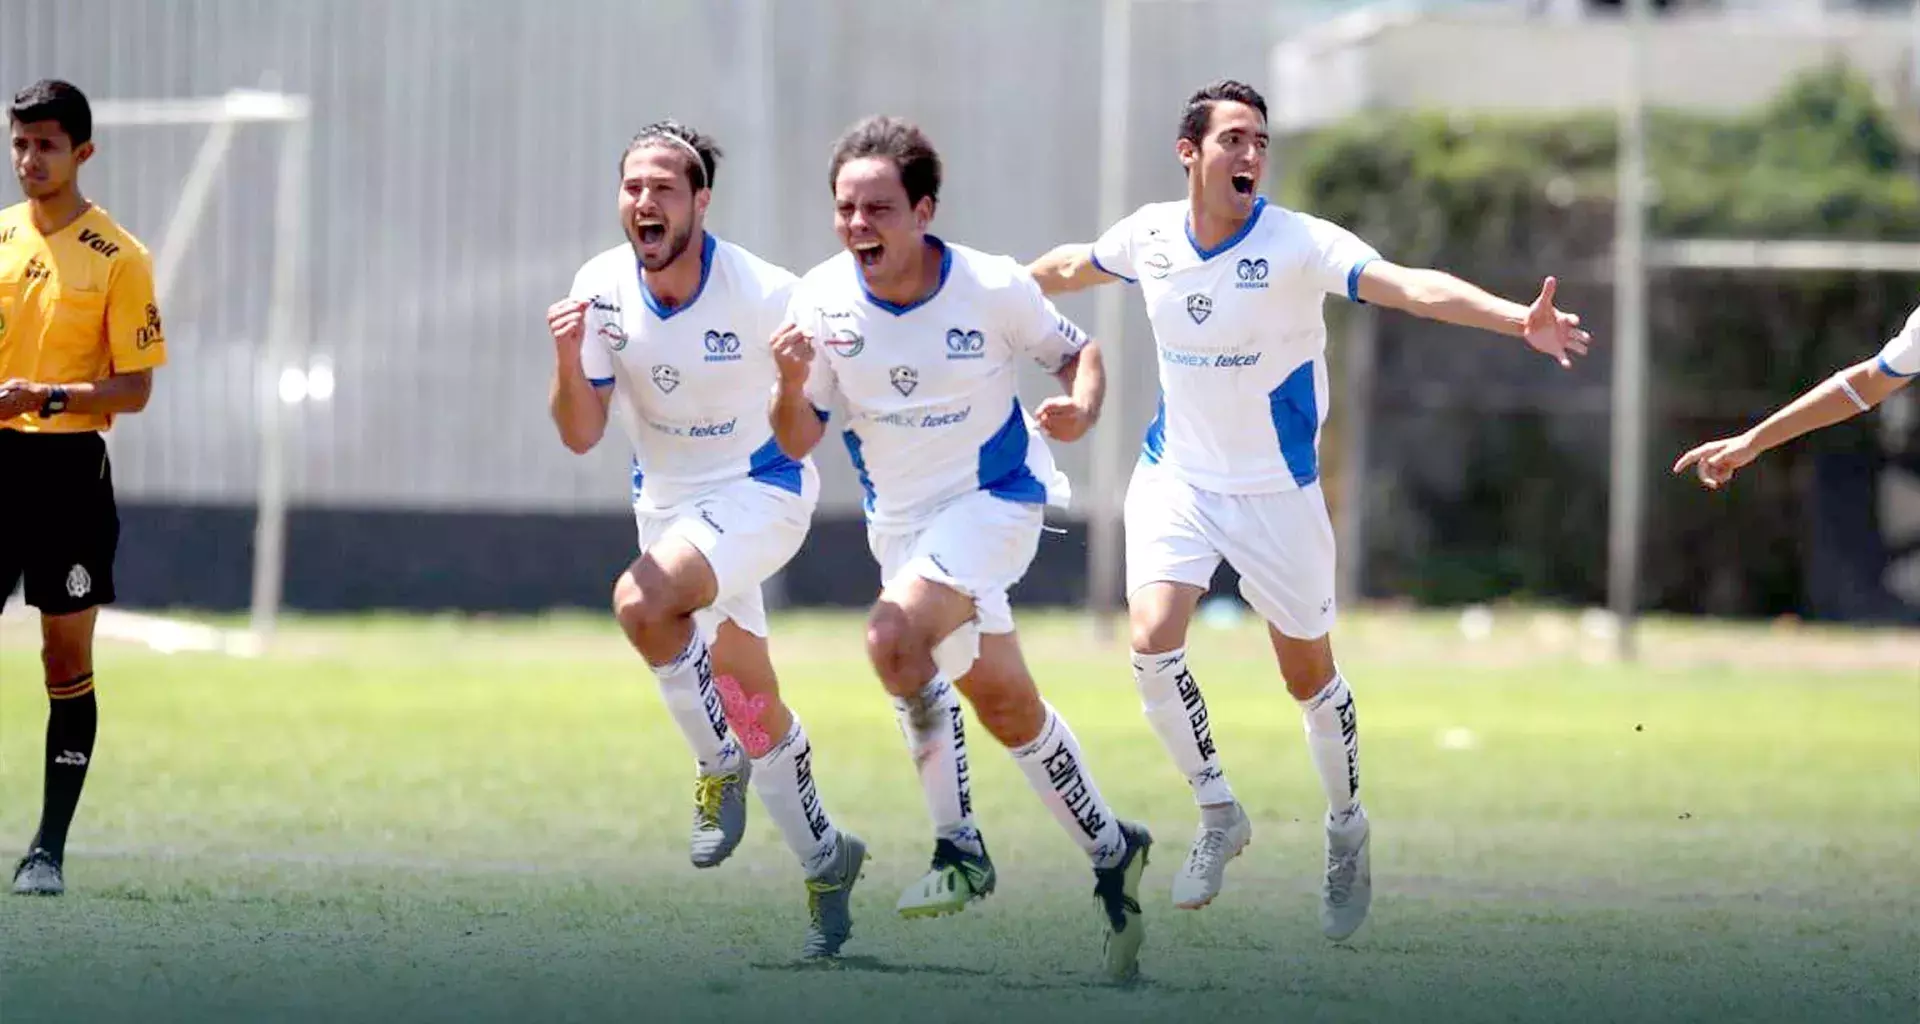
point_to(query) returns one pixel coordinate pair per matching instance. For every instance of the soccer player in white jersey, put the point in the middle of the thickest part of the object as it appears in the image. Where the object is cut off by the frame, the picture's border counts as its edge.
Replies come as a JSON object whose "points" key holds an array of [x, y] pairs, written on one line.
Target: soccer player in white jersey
{"points": [[919, 340], [1840, 397], [670, 332], [1234, 287]]}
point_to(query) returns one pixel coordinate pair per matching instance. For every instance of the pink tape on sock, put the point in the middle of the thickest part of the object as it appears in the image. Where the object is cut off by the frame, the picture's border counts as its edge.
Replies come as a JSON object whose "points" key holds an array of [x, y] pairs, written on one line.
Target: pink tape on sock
{"points": [[743, 713]]}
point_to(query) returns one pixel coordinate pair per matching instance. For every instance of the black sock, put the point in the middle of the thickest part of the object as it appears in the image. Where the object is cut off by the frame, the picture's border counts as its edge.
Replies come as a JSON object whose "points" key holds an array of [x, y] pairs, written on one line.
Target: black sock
{"points": [[72, 717]]}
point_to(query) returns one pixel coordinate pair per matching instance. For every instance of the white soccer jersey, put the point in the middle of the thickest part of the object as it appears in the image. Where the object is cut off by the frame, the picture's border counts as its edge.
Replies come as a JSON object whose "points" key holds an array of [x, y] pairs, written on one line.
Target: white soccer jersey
{"points": [[690, 385], [1901, 355], [1241, 340], [929, 389]]}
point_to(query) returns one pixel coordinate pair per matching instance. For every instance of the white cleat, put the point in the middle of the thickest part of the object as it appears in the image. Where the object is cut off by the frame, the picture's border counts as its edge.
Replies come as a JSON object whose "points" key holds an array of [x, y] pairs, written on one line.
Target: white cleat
{"points": [[1199, 879], [1347, 893]]}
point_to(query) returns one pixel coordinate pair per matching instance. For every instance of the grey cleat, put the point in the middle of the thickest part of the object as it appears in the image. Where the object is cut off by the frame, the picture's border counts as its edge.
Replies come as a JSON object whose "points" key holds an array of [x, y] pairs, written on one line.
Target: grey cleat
{"points": [[1116, 890], [1347, 892], [719, 814], [38, 874], [1200, 877], [830, 898]]}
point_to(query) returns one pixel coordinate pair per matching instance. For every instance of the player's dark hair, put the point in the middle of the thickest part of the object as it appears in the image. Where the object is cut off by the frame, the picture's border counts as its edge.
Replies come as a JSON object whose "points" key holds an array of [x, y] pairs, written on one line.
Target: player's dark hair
{"points": [[50, 99], [901, 142], [675, 135], [1199, 110]]}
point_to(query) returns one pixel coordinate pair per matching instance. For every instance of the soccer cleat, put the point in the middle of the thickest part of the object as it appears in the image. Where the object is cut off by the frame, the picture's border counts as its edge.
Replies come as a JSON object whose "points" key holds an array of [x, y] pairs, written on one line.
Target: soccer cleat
{"points": [[830, 898], [1348, 890], [955, 879], [38, 874], [1200, 877], [1117, 892], [719, 814]]}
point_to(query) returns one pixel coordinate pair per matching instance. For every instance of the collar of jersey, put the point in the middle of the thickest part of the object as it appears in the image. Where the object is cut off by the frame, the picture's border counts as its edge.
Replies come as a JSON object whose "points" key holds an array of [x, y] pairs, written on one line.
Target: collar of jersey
{"points": [[1259, 205], [946, 267], [706, 268]]}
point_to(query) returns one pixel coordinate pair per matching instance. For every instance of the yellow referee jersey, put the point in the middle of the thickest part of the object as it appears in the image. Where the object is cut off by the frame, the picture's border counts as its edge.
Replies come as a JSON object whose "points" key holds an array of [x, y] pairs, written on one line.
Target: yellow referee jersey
{"points": [[75, 306]]}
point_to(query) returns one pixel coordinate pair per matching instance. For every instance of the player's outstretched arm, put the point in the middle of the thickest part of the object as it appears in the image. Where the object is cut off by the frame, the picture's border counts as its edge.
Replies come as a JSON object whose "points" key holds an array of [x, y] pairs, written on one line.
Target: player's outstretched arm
{"points": [[797, 425], [1437, 295], [1069, 268], [1840, 397], [577, 404], [1068, 417]]}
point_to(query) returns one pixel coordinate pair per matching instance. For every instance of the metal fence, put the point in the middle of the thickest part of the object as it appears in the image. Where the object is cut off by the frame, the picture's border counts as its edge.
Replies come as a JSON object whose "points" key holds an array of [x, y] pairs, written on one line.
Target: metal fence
{"points": [[463, 165]]}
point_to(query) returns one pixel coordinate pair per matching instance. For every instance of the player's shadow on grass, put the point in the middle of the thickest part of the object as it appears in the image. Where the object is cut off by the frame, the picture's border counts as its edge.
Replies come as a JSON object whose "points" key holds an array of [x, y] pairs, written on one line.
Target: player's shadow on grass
{"points": [[1069, 980]]}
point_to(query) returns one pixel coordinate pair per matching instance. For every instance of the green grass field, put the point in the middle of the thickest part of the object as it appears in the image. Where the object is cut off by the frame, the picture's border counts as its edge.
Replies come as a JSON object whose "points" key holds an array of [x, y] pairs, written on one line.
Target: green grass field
{"points": [[436, 819]]}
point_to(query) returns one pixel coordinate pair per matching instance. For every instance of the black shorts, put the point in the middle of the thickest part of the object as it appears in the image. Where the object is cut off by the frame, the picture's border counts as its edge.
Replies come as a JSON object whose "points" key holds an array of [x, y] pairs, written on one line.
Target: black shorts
{"points": [[59, 526]]}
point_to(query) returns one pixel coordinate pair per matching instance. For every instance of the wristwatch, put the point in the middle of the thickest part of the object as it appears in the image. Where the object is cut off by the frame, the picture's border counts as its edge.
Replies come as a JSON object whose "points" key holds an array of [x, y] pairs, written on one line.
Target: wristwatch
{"points": [[56, 402]]}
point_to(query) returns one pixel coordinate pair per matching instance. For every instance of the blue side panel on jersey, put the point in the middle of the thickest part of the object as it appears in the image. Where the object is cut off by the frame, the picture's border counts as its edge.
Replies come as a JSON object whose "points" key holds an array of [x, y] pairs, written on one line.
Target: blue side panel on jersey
{"points": [[822, 413], [772, 467], [1353, 279], [1155, 444], [1296, 421], [1887, 368], [1003, 463], [638, 478], [859, 465], [706, 268]]}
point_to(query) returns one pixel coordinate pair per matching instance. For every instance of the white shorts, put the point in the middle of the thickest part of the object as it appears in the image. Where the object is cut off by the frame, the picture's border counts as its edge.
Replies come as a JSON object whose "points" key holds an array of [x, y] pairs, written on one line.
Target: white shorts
{"points": [[747, 531], [1281, 544], [979, 545]]}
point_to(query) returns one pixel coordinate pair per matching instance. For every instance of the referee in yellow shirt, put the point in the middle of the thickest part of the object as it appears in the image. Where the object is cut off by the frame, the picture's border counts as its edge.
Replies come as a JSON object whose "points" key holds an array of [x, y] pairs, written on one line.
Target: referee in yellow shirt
{"points": [[79, 339]]}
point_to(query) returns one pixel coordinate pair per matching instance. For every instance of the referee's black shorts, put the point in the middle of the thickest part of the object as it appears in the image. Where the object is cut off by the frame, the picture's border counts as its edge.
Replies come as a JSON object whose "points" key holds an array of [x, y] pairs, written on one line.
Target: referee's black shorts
{"points": [[59, 526]]}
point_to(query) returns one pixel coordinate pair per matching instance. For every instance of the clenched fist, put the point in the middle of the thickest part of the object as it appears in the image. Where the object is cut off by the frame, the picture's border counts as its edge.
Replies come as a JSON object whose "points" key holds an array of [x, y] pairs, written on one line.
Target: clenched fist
{"points": [[793, 355]]}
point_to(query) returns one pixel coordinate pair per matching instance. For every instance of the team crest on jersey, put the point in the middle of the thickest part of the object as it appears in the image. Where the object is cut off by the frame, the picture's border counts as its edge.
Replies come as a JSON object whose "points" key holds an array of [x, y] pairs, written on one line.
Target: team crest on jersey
{"points": [[846, 343], [666, 378], [615, 338], [722, 347], [965, 344], [1158, 265], [1252, 273], [905, 379], [1199, 307]]}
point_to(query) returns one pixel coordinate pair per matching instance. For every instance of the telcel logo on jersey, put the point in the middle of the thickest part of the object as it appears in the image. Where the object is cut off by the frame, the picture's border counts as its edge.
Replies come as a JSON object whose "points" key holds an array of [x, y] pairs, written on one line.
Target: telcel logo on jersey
{"points": [[965, 344], [712, 429], [928, 420], [1212, 361], [1252, 273], [722, 348]]}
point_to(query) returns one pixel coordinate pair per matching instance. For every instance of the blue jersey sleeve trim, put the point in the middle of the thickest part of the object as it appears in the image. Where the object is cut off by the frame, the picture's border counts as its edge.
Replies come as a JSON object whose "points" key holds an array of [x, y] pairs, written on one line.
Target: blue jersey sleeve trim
{"points": [[1102, 267], [1887, 368], [1353, 280], [600, 382]]}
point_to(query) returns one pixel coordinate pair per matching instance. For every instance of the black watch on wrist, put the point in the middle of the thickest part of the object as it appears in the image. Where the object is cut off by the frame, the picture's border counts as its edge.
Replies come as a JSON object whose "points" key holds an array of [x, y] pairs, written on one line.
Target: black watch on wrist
{"points": [[56, 402]]}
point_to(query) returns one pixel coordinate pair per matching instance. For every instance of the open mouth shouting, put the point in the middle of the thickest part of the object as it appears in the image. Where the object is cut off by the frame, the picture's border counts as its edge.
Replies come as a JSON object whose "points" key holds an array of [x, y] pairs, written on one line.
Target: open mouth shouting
{"points": [[650, 230], [868, 253], [1243, 183]]}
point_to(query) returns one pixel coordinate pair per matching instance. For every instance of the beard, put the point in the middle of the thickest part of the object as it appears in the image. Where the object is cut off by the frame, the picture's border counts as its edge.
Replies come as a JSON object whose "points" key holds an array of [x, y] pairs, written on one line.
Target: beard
{"points": [[676, 245]]}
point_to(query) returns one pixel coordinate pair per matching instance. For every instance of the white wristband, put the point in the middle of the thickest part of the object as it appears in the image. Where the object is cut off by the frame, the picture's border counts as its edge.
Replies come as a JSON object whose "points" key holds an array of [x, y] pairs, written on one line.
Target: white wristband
{"points": [[1847, 388]]}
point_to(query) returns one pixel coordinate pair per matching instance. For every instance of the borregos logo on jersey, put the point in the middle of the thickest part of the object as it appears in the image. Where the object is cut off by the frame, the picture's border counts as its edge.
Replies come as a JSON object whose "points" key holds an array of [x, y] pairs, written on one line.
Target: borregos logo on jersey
{"points": [[965, 344], [722, 347], [1251, 273]]}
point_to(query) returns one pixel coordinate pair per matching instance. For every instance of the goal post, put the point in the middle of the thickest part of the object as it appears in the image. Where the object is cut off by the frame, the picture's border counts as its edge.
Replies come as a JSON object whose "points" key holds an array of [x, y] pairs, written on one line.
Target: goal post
{"points": [[223, 116]]}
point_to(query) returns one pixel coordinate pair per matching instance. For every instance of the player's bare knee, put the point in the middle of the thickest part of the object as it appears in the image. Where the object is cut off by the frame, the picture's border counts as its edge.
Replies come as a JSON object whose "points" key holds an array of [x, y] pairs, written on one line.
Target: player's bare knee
{"points": [[896, 647], [645, 610], [1306, 665], [1155, 636]]}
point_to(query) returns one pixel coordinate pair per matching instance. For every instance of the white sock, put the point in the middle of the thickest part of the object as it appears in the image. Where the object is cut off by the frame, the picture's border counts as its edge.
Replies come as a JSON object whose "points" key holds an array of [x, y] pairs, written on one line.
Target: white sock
{"points": [[1178, 713], [783, 777], [936, 733], [1333, 738], [1057, 771], [686, 684]]}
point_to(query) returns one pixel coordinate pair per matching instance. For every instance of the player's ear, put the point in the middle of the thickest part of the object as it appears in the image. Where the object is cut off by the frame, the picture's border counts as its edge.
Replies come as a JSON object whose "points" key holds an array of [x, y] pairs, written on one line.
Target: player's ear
{"points": [[1188, 153], [82, 153], [701, 199], [923, 212]]}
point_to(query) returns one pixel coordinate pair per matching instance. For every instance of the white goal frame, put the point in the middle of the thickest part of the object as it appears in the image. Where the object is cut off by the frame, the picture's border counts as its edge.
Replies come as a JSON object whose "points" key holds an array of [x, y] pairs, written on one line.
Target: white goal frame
{"points": [[224, 115]]}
